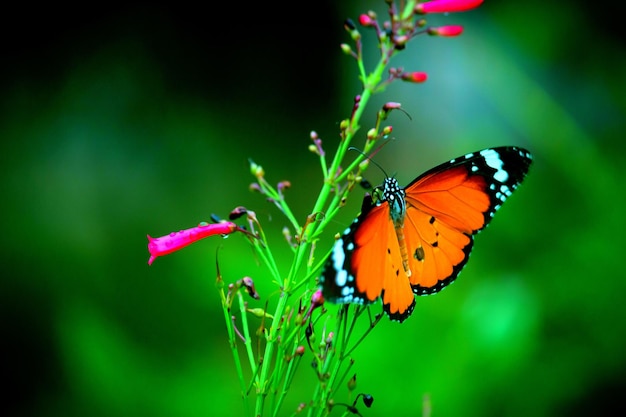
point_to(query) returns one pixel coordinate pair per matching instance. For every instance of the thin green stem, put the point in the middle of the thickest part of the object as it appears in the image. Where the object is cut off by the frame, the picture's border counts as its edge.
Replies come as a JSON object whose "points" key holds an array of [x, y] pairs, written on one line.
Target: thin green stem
{"points": [[232, 341], [293, 365], [246, 333], [269, 351]]}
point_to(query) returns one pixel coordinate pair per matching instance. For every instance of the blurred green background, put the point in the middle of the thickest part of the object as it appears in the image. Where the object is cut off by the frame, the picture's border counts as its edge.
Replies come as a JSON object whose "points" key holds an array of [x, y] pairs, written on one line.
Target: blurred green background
{"points": [[140, 119]]}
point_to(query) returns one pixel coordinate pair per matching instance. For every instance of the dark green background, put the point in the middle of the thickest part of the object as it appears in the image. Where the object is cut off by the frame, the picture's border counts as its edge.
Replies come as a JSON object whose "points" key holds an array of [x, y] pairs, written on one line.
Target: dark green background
{"points": [[124, 121]]}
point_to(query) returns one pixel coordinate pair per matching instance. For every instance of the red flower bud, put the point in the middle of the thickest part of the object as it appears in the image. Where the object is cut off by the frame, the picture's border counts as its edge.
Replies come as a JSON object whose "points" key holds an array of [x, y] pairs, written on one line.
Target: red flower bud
{"points": [[447, 6], [450, 30], [317, 299], [366, 21], [177, 240], [414, 77]]}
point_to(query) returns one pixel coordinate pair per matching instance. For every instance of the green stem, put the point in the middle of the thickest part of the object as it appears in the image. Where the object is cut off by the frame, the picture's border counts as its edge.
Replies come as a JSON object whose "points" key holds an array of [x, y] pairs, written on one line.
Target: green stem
{"points": [[232, 340], [293, 365], [269, 351], [246, 333]]}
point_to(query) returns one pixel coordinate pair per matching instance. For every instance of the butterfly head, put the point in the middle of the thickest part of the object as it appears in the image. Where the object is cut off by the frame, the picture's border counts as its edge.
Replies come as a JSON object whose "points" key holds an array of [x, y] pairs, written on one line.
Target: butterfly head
{"points": [[393, 194]]}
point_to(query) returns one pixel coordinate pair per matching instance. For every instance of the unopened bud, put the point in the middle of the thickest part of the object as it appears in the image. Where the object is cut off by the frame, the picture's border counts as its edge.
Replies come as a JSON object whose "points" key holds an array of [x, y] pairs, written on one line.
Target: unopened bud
{"points": [[237, 212], [351, 28], [450, 30], [414, 77], [317, 299], [259, 312], [400, 41], [352, 383], [256, 170], [391, 105], [249, 286], [299, 351], [366, 20], [283, 185], [346, 48]]}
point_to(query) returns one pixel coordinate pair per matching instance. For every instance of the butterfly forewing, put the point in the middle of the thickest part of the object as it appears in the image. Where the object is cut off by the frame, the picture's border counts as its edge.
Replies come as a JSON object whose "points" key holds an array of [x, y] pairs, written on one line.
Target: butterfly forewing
{"points": [[444, 208]]}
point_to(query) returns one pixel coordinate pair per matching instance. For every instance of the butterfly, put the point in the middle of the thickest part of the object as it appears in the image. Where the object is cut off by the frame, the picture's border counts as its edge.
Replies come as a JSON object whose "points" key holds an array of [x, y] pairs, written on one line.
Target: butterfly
{"points": [[415, 240]]}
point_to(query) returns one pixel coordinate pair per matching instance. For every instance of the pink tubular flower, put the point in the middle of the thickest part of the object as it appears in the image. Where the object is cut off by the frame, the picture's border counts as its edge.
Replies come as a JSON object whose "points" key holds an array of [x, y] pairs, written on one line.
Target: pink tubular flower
{"points": [[450, 30], [447, 6], [177, 240]]}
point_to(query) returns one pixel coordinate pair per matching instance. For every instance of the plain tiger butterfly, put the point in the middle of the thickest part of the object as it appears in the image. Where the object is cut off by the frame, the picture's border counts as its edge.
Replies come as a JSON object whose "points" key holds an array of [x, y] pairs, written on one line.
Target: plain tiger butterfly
{"points": [[416, 240]]}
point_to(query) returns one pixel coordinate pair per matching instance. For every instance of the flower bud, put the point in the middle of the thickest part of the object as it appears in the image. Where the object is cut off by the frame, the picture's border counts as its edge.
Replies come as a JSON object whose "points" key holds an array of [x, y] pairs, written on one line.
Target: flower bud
{"points": [[368, 400], [346, 48], [257, 170], [237, 212], [249, 286], [450, 30], [352, 383], [299, 351], [317, 299], [282, 186], [400, 41], [414, 77], [351, 28], [366, 21], [391, 105], [259, 312]]}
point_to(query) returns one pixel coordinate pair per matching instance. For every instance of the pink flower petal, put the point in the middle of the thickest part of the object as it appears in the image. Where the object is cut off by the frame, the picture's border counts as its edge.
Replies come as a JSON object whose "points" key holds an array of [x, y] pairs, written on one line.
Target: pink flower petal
{"points": [[447, 6]]}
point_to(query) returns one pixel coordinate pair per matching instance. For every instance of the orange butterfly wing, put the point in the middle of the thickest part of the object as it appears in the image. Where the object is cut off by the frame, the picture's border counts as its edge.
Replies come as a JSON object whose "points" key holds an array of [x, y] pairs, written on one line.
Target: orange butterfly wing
{"points": [[443, 211], [378, 265]]}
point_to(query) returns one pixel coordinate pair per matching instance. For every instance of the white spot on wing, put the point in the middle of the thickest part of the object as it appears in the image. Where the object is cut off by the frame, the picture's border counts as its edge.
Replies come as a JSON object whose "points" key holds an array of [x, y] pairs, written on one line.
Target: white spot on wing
{"points": [[492, 158], [341, 278]]}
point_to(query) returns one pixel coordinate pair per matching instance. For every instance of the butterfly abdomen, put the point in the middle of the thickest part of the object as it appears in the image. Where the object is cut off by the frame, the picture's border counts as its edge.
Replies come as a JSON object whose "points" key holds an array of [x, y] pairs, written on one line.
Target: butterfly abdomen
{"points": [[394, 195]]}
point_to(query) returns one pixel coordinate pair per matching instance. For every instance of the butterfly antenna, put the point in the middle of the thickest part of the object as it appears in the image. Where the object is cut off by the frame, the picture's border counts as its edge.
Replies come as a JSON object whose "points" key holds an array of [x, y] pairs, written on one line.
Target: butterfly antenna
{"points": [[352, 148]]}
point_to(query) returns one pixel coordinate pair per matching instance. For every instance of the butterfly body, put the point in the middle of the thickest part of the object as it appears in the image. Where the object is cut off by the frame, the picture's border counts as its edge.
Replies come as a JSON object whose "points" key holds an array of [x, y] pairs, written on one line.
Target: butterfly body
{"points": [[416, 240]]}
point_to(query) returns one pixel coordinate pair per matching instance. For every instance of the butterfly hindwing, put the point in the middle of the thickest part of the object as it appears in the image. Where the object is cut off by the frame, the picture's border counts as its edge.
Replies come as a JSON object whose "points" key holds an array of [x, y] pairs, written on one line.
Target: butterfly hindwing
{"points": [[394, 250]]}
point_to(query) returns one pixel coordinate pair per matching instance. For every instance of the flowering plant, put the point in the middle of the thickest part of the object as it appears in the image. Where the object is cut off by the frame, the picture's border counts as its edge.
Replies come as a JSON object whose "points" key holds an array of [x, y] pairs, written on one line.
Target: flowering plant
{"points": [[300, 324]]}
